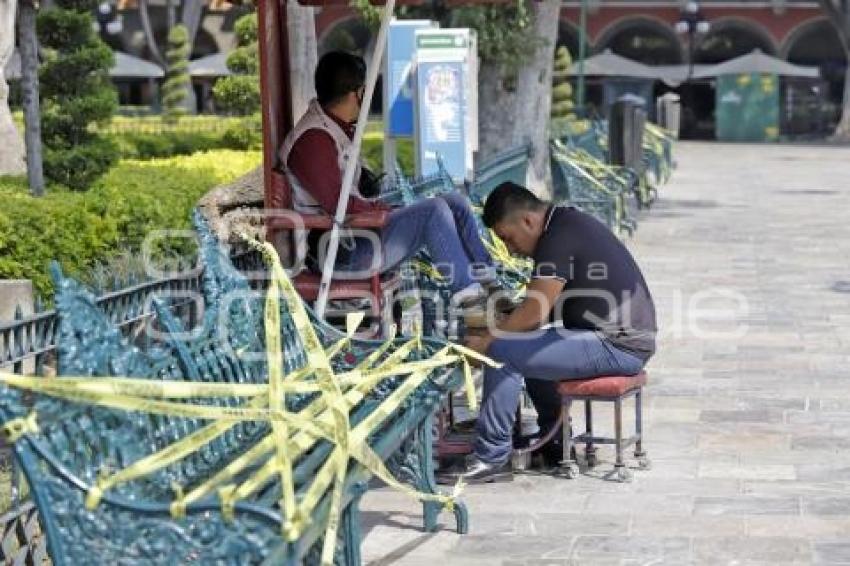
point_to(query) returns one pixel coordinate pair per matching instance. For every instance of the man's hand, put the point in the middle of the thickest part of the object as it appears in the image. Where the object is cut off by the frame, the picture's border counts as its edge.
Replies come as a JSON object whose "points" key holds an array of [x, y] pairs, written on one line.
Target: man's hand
{"points": [[541, 296], [479, 342]]}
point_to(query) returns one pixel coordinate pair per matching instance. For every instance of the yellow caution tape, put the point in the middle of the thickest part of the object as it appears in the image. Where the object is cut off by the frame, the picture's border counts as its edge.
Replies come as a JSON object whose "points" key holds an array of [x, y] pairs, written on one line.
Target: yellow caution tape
{"points": [[326, 417], [14, 429]]}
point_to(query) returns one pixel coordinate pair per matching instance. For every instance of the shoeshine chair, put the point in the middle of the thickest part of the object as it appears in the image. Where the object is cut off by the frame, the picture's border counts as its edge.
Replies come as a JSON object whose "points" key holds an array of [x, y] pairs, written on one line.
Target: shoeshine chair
{"points": [[611, 389], [377, 289]]}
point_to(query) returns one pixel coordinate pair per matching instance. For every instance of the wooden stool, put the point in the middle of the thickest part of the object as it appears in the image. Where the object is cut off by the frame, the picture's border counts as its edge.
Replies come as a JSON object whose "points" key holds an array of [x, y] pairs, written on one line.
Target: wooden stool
{"points": [[612, 389]]}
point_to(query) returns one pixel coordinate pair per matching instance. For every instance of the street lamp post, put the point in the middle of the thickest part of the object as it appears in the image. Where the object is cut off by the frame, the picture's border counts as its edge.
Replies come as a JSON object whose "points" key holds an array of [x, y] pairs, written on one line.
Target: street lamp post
{"points": [[582, 42], [108, 20], [693, 25]]}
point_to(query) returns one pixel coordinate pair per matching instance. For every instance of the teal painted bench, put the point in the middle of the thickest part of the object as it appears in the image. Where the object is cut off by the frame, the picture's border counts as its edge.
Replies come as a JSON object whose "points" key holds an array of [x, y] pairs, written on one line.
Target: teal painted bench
{"points": [[573, 184], [75, 444], [510, 165]]}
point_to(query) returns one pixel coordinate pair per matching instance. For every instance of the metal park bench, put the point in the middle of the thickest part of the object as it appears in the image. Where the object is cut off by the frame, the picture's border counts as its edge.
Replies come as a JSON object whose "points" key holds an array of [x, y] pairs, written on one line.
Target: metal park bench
{"points": [[510, 165], [573, 184], [210, 445]]}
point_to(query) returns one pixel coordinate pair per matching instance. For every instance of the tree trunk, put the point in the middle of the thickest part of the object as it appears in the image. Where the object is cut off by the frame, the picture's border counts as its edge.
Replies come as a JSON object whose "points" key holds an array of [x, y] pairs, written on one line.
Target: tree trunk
{"points": [[496, 114], [12, 155], [838, 14], [842, 130], [534, 96], [303, 55], [28, 44], [144, 17]]}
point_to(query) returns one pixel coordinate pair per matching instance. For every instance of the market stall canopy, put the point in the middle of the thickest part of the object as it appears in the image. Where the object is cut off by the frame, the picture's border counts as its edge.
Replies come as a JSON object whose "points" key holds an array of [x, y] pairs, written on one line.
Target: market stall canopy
{"points": [[674, 75], [758, 62], [210, 66], [129, 67], [126, 67], [609, 64], [12, 72]]}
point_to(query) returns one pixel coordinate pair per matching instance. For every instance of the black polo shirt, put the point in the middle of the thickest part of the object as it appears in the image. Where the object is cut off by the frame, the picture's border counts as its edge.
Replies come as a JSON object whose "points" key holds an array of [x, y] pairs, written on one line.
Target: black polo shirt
{"points": [[604, 289]]}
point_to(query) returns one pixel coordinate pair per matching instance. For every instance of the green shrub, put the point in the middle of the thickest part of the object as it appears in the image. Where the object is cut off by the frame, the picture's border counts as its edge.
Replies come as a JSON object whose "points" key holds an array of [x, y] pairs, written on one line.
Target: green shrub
{"points": [[175, 89], [113, 217], [244, 60], [167, 144], [246, 134], [78, 167], [562, 91], [372, 151], [76, 95], [240, 92], [246, 29]]}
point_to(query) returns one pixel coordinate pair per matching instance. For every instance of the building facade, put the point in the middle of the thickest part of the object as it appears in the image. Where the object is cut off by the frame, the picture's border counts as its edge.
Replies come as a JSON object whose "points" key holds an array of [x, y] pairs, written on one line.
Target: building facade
{"points": [[644, 30]]}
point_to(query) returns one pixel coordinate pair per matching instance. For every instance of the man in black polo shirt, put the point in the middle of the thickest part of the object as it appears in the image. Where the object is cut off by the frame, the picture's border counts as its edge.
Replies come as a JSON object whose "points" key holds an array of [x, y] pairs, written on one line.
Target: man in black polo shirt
{"points": [[587, 283]]}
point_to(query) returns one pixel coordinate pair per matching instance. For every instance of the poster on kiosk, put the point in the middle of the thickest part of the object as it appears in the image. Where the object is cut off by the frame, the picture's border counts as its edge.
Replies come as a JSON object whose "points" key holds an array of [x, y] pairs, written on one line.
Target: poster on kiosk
{"points": [[446, 102], [398, 84]]}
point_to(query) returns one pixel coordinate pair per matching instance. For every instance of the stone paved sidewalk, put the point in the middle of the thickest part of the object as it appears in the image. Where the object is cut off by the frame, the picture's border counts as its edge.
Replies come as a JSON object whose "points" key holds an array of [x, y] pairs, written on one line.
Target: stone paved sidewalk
{"points": [[748, 417]]}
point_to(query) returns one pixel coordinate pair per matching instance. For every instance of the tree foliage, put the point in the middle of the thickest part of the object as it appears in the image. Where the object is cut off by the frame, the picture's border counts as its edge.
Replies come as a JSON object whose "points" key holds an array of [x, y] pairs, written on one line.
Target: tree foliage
{"points": [[505, 31], [76, 94], [240, 92]]}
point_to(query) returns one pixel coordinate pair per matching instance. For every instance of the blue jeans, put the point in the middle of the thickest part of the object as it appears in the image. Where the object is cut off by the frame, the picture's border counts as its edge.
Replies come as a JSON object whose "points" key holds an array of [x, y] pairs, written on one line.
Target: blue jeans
{"points": [[543, 358], [443, 225]]}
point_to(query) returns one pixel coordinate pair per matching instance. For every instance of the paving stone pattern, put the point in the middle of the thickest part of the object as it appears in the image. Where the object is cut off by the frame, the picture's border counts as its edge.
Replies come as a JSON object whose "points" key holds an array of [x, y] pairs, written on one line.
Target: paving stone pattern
{"points": [[748, 408]]}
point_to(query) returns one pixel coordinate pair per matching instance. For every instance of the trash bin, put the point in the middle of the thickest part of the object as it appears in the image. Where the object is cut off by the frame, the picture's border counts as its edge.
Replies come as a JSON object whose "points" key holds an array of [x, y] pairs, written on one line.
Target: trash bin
{"points": [[619, 130], [625, 131], [668, 108]]}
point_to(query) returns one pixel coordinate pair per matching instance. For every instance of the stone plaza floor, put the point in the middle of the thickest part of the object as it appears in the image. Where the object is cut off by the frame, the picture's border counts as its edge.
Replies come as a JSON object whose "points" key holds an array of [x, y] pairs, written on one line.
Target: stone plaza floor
{"points": [[747, 417]]}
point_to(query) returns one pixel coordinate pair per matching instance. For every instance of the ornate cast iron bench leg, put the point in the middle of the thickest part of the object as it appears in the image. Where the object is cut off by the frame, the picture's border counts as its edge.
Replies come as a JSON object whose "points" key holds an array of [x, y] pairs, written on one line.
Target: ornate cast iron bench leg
{"points": [[413, 463]]}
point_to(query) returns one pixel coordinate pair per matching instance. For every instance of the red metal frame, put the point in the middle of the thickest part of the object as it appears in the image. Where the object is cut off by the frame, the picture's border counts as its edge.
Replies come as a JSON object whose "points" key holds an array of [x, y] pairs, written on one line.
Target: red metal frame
{"points": [[275, 91]]}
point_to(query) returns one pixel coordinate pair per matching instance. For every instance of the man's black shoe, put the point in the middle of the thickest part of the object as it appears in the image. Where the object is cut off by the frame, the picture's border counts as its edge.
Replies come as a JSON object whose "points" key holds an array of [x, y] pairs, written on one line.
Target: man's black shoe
{"points": [[550, 455], [482, 472]]}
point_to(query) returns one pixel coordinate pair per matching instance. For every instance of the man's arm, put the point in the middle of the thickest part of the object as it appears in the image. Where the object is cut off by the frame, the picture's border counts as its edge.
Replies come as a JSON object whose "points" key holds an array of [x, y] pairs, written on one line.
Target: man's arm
{"points": [[532, 313], [313, 160]]}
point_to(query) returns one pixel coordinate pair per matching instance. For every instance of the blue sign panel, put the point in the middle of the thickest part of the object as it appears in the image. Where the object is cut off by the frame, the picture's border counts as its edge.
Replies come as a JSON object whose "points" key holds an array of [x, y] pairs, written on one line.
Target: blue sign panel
{"points": [[398, 89], [441, 111]]}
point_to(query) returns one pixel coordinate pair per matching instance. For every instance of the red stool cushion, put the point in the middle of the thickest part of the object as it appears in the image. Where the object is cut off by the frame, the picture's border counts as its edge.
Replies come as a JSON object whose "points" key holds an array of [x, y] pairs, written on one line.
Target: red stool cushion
{"points": [[609, 386]]}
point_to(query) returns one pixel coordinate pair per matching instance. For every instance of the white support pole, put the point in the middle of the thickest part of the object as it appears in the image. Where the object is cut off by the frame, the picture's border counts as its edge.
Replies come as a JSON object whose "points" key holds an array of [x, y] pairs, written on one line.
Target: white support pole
{"points": [[353, 156]]}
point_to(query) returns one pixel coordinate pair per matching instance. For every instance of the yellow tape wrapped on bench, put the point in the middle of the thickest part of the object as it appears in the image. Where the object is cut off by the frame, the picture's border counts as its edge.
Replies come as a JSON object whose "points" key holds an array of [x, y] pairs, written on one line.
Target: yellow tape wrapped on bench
{"points": [[325, 417]]}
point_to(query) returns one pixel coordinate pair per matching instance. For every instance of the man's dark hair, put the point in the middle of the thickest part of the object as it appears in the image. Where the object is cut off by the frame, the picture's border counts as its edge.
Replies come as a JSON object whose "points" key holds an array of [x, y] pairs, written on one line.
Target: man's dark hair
{"points": [[508, 198], [337, 74]]}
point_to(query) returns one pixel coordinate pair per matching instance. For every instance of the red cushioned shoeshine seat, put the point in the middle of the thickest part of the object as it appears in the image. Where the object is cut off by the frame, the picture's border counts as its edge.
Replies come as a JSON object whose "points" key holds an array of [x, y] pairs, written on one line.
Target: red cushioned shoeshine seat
{"points": [[609, 386], [307, 284]]}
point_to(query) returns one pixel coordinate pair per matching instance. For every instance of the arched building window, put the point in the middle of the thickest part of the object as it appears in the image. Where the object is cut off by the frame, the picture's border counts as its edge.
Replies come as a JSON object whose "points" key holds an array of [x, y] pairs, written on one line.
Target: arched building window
{"points": [[732, 38], [816, 43], [568, 37], [205, 44], [649, 41]]}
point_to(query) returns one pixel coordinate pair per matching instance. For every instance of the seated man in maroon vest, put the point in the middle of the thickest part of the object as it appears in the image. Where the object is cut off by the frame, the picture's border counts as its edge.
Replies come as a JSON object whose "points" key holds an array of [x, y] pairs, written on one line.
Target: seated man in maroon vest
{"points": [[314, 156]]}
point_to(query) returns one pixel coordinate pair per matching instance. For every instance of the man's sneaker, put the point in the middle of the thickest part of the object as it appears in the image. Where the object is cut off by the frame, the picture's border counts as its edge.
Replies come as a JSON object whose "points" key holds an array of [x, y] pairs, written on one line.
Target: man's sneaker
{"points": [[482, 472]]}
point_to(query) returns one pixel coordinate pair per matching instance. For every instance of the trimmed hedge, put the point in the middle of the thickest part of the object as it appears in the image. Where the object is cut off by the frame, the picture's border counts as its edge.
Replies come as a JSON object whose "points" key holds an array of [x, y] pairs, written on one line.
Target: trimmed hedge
{"points": [[372, 151], [167, 144], [151, 138], [113, 217]]}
